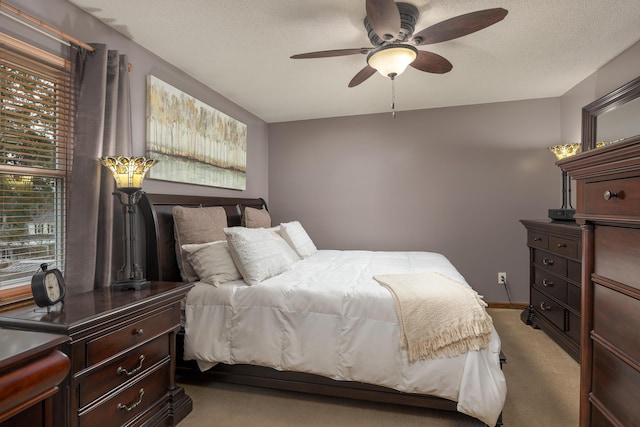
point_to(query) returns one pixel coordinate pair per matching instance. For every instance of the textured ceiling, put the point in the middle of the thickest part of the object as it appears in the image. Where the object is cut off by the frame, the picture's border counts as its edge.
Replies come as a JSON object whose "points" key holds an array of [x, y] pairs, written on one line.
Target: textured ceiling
{"points": [[241, 49]]}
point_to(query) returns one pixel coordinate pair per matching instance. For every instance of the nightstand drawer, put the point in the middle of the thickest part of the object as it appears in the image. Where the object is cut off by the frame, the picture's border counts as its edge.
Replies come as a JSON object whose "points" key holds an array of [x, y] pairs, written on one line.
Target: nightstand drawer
{"points": [[550, 284], [130, 402], [539, 240], [564, 247], [616, 197], [552, 262], [132, 335], [131, 365], [548, 308]]}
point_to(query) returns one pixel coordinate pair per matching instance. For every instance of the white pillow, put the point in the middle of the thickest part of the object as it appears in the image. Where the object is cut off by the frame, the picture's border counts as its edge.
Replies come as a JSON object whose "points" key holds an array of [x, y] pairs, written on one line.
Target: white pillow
{"points": [[212, 262], [297, 237], [259, 253]]}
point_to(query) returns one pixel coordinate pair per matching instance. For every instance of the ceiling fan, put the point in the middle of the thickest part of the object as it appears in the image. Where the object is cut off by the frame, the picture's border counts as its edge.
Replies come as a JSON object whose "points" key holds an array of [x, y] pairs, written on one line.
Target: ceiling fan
{"points": [[390, 28]]}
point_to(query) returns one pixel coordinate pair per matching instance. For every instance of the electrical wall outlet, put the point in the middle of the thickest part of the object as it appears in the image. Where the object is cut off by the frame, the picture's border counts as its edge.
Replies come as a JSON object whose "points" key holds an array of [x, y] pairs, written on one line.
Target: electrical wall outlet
{"points": [[502, 278]]}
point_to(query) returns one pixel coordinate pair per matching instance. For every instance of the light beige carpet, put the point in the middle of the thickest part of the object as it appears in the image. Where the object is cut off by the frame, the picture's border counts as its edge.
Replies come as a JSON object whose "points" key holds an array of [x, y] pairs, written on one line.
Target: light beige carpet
{"points": [[542, 381]]}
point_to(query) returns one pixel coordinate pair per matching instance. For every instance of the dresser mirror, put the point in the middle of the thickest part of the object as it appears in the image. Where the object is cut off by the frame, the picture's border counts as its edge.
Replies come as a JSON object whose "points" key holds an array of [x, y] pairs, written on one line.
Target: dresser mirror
{"points": [[612, 118]]}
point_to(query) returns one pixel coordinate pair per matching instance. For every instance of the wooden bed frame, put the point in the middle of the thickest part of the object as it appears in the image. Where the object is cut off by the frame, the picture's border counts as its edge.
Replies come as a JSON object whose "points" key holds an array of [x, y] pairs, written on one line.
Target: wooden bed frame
{"points": [[161, 264]]}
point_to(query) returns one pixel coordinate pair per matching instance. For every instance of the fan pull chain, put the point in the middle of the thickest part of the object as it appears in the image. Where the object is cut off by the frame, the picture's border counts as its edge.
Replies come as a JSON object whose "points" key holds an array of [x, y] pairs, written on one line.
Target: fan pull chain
{"points": [[393, 96]]}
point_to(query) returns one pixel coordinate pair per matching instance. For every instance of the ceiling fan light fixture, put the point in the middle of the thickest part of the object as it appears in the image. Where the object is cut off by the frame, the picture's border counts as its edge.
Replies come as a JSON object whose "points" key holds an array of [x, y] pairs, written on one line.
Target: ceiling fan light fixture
{"points": [[391, 60]]}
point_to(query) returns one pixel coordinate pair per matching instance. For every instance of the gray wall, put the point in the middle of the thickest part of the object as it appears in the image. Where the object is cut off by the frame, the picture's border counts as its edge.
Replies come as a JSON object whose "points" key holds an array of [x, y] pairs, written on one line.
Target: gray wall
{"points": [[451, 180], [622, 69], [79, 24]]}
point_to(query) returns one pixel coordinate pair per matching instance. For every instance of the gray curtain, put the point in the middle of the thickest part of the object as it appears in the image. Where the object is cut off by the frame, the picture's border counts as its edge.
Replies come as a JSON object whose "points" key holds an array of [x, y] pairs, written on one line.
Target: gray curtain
{"points": [[103, 127]]}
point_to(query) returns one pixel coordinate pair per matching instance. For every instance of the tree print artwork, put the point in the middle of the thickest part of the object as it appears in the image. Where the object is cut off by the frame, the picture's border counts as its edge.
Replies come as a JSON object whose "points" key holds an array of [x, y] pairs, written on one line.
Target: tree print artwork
{"points": [[194, 142]]}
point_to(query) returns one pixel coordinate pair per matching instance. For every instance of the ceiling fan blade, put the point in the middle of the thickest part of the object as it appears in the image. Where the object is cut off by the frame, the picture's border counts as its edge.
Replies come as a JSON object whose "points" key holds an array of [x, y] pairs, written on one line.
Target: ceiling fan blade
{"points": [[384, 17], [459, 26], [330, 53], [431, 63], [362, 75]]}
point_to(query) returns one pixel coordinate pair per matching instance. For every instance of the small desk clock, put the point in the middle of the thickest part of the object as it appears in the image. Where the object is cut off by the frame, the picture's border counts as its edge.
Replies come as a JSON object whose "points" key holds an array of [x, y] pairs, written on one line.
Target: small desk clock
{"points": [[47, 286]]}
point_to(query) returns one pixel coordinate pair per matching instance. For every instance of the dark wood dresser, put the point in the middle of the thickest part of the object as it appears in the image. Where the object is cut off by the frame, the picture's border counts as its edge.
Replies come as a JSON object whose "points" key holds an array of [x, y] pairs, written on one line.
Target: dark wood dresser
{"points": [[608, 208], [555, 250], [122, 351], [31, 367]]}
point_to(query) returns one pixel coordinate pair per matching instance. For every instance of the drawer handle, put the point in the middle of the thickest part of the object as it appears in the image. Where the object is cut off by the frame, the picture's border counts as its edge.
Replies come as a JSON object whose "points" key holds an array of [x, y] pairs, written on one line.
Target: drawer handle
{"points": [[547, 283], [122, 406], [537, 239], [139, 332], [134, 371], [544, 307], [611, 195], [562, 245], [547, 261]]}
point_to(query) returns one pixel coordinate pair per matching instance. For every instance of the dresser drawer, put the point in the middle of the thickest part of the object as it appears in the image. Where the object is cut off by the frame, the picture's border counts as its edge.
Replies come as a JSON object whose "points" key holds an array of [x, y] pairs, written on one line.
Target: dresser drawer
{"points": [[131, 335], [574, 297], [130, 401], [539, 240], [622, 329], [617, 254], [574, 271], [131, 365], [550, 284], [552, 262], [548, 308], [573, 327], [598, 419], [624, 203], [616, 385], [564, 247]]}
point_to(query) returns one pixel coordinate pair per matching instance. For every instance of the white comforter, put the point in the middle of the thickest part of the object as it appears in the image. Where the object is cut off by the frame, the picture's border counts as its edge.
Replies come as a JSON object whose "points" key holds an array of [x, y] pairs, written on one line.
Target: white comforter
{"points": [[327, 316]]}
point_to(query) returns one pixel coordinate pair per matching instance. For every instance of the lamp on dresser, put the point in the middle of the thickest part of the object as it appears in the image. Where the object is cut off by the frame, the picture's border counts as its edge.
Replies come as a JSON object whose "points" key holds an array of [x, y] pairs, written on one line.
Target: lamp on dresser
{"points": [[566, 212], [562, 151], [129, 172]]}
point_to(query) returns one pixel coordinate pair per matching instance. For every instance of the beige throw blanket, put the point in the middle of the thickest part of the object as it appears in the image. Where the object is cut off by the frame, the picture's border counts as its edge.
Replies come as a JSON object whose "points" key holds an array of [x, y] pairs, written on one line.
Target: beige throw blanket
{"points": [[439, 317]]}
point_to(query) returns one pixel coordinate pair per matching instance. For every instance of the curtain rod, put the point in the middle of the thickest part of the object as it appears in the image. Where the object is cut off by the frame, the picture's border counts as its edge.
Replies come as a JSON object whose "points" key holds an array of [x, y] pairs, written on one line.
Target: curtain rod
{"points": [[46, 26]]}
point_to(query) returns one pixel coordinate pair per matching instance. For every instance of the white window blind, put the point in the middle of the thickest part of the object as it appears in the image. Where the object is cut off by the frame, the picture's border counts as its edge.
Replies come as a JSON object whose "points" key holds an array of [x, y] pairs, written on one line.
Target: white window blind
{"points": [[35, 151]]}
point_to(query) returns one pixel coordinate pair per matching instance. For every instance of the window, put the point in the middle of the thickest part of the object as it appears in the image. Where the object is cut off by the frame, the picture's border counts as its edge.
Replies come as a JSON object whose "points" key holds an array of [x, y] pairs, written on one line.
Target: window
{"points": [[35, 148]]}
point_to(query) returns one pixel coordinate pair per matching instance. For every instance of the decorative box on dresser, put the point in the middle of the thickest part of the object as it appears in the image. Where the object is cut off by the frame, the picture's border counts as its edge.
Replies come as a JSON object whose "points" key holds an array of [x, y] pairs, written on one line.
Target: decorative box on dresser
{"points": [[555, 251], [122, 351], [608, 208]]}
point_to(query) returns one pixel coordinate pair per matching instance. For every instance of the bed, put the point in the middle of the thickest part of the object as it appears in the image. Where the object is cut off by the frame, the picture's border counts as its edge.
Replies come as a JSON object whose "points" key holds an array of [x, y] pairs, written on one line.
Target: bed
{"points": [[471, 383]]}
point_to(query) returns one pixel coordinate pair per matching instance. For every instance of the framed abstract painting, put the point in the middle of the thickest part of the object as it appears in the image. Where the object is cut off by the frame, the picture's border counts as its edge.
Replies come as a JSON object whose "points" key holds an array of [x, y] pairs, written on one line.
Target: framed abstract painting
{"points": [[193, 142]]}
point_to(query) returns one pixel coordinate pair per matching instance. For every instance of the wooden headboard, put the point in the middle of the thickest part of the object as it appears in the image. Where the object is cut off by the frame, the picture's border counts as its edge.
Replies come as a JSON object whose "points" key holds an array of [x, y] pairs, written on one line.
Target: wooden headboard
{"points": [[156, 213]]}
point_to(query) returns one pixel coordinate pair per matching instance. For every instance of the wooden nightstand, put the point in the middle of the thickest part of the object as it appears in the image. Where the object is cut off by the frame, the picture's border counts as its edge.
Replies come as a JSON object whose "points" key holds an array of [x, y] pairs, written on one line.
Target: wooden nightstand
{"points": [[123, 355]]}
